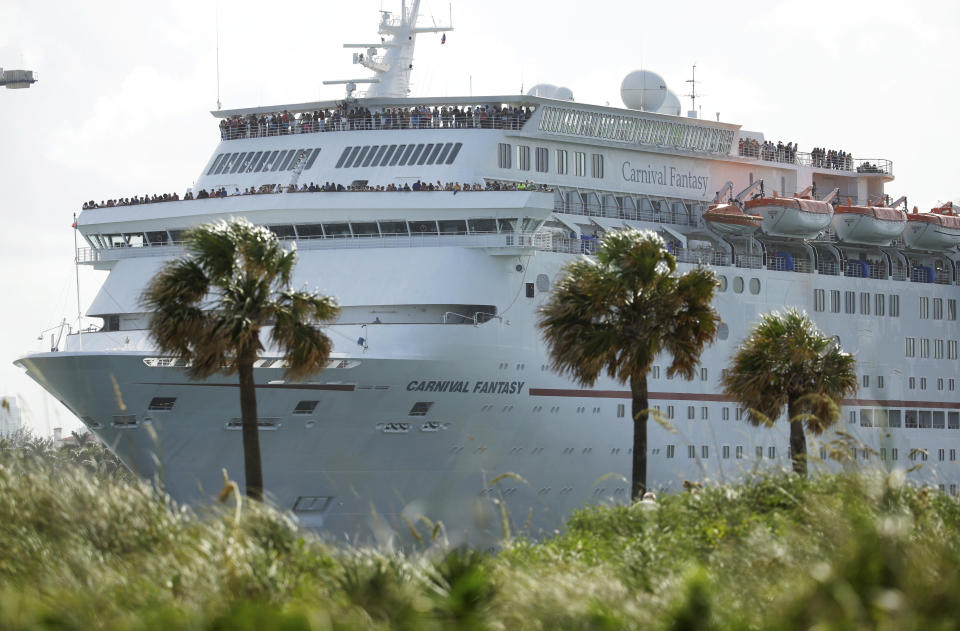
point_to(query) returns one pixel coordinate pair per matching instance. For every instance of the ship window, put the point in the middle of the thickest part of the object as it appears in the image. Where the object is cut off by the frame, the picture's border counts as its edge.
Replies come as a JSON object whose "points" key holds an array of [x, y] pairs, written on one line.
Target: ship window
{"points": [[926, 419], [894, 306], [393, 227], [268, 162], [263, 424], [754, 286], [580, 163], [238, 162], [951, 309], [722, 283], [880, 304], [453, 226], [353, 156], [850, 302], [252, 162], [157, 238], [562, 161], [924, 347], [387, 154], [835, 301], [503, 155], [924, 307], [738, 285], [818, 299], [507, 225], [279, 160], [336, 229], [437, 148], [951, 349], [420, 408], [343, 158], [363, 154], [523, 157], [893, 418], [305, 407], [938, 420], [739, 452], [177, 235], [938, 349], [111, 322], [911, 383], [454, 152], [482, 225], [938, 308], [671, 451], [312, 158], [953, 420], [423, 227], [759, 450], [283, 232], [224, 164], [723, 331], [597, 165], [298, 158], [866, 418], [542, 160], [216, 163], [381, 158], [161, 404], [406, 154], [691, 451], [864, 303], [370, 153], [443, 152], [416, 154], [260, 162], [425, 154], [910, 419], [310, 231], [368, 229]]}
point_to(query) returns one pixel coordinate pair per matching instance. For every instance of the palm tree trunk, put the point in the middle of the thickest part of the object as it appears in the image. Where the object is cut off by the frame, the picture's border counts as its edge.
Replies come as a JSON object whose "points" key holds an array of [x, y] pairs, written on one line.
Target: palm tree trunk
{"points": [[638, 412], [252, 464], [798, 441]]}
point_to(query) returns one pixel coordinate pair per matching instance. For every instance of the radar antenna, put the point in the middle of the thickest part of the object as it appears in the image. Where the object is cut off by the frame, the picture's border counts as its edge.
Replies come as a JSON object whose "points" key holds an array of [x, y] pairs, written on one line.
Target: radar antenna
{"points": [[392, 70], [693, 93]]}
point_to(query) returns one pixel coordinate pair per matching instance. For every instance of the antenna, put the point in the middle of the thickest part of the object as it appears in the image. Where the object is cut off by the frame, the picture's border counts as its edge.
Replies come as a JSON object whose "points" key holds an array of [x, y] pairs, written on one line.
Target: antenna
{"points": [[217, 29], [693, 93]]}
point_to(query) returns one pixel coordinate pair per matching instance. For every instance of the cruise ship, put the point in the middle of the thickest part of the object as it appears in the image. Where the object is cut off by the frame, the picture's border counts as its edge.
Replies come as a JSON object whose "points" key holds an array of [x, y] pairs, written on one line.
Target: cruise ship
{"points": [[441, 226]]}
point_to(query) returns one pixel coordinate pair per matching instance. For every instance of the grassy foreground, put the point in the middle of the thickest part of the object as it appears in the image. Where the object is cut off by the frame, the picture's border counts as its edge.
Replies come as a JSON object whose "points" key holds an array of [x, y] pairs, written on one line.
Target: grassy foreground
{"points": [[85, 547]]}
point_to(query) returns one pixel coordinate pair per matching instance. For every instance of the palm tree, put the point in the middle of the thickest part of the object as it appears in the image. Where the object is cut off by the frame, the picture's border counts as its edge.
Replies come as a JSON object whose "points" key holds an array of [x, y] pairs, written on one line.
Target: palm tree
{"points": [[788, 361], [209, 307], [617, 313]]}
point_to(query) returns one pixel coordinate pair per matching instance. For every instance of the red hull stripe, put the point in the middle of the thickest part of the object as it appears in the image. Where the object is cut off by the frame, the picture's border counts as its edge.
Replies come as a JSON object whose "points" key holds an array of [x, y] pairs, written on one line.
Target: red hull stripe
{"points": [[686, 396]]}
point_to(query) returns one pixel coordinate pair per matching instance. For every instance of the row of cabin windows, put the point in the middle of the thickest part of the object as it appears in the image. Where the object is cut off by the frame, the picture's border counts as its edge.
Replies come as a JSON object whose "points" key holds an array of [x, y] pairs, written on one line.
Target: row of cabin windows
{"points": [[910, 348], [949, 383], [398, 155], [542, 160], [908, 419], [725, 452], [879, 304], [165, 404], [337, 229], [937, 308], [263, 161]]}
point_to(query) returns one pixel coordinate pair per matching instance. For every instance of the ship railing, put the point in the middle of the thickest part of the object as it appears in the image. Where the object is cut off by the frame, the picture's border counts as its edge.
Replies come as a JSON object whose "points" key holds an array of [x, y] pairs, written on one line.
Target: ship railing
{"points": [[591, 209], [828, 268], [749, 261], [781, 264], [702, 256], [942, 278], [877, 166], [899, 274], [375, 122]]}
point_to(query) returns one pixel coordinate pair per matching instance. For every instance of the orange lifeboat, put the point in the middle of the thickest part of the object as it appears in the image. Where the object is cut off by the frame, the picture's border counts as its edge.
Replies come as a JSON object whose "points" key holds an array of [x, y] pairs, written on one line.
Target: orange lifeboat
{"points": [[791, 216], [937, 230], [869, 225], [730, 220]]}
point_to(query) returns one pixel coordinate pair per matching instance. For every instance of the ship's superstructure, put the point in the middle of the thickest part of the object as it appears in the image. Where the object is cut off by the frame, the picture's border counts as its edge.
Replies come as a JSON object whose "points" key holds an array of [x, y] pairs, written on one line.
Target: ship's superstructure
{"points": [[439, 381]]}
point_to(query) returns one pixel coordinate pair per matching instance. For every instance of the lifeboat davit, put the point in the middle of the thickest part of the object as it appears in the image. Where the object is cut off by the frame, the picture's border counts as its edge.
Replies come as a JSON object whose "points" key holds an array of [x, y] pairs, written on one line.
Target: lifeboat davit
{"points": [[870, 225], [937, 230], [791, 216], [729, 219]]}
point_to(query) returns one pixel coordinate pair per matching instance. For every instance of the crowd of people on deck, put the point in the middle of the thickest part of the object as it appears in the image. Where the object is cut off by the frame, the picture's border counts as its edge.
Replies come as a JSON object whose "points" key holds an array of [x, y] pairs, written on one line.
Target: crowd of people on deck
{"points": [[831, 159], [343, 118], [327, 187], [767, 150]]}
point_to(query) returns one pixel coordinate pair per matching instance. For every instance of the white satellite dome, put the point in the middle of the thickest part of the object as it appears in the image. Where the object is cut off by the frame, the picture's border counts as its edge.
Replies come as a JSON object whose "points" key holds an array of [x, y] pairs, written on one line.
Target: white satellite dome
{"points": [[671, 105], [643, 90], [564, 94], [544, 90]]}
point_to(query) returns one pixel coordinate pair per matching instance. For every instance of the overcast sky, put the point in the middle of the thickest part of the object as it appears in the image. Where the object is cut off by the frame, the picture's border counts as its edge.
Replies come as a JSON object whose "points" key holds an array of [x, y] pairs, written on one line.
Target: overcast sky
{"points": [[122, 106]]}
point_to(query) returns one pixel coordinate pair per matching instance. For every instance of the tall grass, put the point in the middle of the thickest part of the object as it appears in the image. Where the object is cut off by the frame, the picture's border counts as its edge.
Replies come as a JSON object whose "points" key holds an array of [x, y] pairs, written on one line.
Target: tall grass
{"points": [[82, 547]]}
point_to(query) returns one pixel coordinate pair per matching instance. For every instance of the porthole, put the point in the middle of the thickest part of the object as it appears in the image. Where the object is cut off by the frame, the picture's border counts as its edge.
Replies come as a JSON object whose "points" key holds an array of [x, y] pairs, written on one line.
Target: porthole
{"points": [[738, 285], [723, 331], [543, 282], [722, 283], [754, 286]]}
